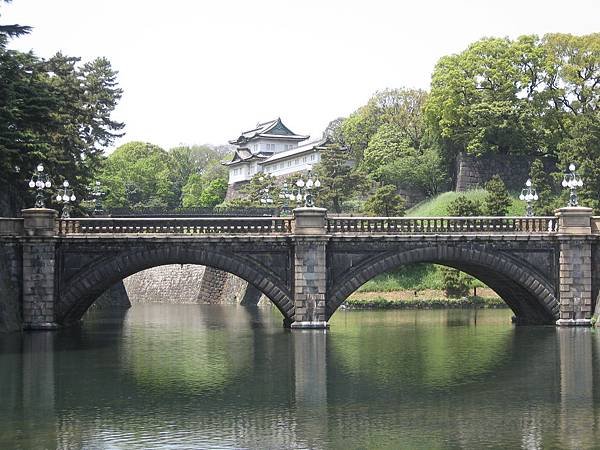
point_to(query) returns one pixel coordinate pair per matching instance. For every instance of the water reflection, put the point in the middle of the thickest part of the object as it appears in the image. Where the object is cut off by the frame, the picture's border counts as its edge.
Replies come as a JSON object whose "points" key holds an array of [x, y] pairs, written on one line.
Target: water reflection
{"points": [[227, 377]]}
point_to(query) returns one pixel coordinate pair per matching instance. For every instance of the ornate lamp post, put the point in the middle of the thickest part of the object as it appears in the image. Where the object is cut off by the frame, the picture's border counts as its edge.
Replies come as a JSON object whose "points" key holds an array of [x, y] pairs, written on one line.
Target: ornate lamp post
{"points": [[529, 195], [305, 190], [286, 195], [66, 198], [40, 181], [98, 194], [572, 181]]}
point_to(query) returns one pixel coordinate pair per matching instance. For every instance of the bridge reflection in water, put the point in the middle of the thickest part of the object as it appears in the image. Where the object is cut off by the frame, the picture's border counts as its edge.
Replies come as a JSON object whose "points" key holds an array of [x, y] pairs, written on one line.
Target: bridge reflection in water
{"points": [[207, 376]]}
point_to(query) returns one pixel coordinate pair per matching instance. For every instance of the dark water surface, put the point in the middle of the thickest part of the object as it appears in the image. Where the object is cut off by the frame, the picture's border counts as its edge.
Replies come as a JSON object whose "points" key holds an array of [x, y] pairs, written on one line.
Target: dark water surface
{"points": [[189, 376]]}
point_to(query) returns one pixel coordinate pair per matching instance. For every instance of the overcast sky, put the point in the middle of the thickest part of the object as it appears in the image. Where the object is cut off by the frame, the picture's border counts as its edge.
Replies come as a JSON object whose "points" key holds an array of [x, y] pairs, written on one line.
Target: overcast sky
{"points": [[203, 71]]}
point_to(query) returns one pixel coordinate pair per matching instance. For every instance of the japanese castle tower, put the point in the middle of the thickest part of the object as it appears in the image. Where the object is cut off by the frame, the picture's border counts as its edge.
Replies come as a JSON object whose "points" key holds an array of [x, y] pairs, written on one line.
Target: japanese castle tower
{"points": [[272, 148]]}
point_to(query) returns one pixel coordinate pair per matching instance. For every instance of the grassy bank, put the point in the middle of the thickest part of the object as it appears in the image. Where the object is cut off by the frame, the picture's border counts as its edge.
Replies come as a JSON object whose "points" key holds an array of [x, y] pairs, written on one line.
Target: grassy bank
{"points": [[357, 302], [438, 206], [416, 277]]}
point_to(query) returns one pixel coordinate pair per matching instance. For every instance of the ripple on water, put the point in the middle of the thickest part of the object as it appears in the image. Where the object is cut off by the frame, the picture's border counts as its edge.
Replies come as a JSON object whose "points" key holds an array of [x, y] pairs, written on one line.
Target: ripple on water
{"points": [[189, 376]]}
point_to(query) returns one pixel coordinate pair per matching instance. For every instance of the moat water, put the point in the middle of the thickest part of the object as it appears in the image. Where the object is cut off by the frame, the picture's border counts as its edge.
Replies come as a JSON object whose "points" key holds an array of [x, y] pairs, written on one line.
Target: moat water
{"points": [[189, 376]]}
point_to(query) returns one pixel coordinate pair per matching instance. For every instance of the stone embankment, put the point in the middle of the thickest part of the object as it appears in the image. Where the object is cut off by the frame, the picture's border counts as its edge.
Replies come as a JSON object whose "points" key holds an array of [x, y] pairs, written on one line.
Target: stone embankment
{"points": [[179, 283]]}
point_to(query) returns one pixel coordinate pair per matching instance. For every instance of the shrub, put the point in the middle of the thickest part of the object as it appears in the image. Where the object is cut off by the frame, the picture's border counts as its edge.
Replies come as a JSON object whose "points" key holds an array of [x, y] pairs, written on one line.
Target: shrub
{"points": [[462, 207], [497, 199], [456, 284]]}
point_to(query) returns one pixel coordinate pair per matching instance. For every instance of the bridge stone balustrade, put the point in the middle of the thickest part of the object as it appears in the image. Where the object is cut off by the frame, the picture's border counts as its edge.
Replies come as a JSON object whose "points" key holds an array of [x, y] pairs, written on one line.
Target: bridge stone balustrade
{"points": [[545, 268]]}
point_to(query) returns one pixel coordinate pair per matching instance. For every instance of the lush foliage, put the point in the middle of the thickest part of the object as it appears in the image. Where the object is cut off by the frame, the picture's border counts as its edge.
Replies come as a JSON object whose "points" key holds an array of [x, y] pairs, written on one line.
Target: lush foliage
{"points": [[464, 207], [583, 147], [497, 199], [532, 96], [385, 202], [138, 174], [195, 167], [546, 188], [456, 283], [56, 111], [340, 179]]}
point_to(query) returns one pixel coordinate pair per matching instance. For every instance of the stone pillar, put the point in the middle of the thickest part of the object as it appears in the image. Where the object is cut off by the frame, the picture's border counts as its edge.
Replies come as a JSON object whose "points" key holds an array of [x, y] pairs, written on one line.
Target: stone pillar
{"points": [[575, 275], [310, 269], [39, 262]]}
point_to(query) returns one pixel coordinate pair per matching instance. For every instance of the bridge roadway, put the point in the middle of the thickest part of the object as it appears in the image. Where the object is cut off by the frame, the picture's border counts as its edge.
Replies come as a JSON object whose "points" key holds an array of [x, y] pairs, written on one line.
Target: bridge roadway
{"points": [[545, 268]]}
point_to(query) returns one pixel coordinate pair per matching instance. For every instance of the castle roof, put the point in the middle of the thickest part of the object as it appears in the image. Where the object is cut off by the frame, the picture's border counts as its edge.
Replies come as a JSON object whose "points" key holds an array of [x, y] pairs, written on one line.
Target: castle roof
{"points": [[273, 129], [244, 155]]}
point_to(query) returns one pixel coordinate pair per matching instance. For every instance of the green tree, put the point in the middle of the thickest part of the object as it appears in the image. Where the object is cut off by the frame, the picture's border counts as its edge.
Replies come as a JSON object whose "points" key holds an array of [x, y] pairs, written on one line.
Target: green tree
{"points": [[385, 202], [422, 170], [402, 108], [497, 199], [514, 96], [484, 100], [339, 178], [456, 284], [463, 207], [192, 191], [138, 174], [387, 145], [543, 183], [252, 192], [214, 193], [582, 148], [55, 111], [202, 160]]}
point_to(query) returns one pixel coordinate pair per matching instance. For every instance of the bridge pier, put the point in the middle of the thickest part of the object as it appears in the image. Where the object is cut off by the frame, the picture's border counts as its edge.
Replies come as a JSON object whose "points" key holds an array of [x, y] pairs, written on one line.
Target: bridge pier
{"points": [[310, 268], [39, 263], [575, 266]]}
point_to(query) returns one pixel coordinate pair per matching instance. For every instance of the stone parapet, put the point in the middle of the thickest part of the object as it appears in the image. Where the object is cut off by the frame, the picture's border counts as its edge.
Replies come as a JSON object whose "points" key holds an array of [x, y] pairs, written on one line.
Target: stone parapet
{"points": [[309, 221], [574, 220], [39, 221], [11, 227]]}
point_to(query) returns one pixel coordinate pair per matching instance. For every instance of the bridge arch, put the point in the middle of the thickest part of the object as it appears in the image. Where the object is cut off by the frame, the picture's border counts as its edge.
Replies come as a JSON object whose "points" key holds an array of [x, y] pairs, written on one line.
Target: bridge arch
{"points": [[529, 294], [82, 289]]}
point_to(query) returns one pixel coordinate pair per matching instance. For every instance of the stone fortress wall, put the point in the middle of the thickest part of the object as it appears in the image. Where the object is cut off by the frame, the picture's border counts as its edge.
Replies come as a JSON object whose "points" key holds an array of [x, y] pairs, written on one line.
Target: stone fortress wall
{"points": [[473, 172], [179, 283]]}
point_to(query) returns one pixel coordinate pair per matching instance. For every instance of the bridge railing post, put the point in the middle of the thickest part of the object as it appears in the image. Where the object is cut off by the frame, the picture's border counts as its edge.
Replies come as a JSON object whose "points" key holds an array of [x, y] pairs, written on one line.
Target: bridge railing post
{"points": [[575, 266], [310, 270], [39, 263]]}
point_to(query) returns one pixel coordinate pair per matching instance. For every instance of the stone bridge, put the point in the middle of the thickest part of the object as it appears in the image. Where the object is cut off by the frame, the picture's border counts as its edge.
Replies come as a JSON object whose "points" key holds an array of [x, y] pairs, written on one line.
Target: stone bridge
{"points": [[545, 268]]}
